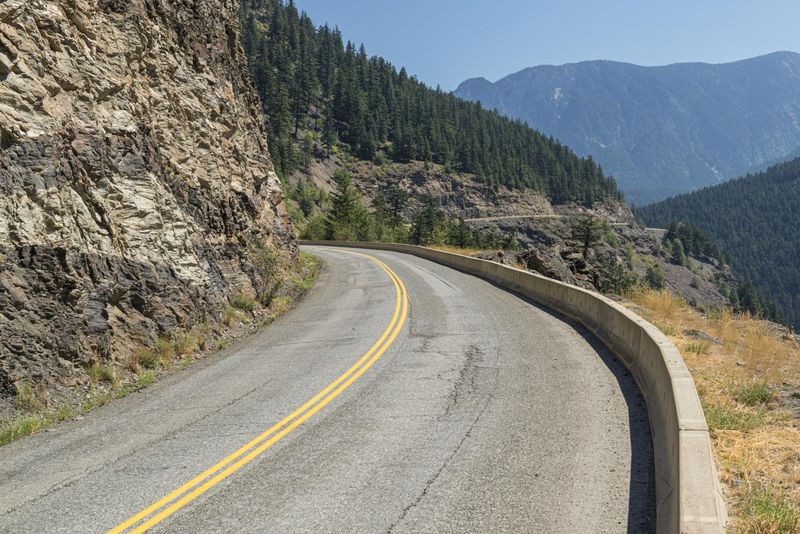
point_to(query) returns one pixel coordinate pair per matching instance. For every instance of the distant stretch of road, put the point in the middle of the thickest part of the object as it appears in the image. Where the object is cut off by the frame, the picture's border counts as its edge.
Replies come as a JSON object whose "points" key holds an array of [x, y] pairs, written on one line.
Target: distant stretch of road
{"points": [[512, 217], [529, 218], [398, 396]]}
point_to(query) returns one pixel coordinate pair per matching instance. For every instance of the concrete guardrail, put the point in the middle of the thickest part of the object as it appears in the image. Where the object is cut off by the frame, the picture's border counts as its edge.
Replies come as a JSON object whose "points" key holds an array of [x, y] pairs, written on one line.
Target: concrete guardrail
{"points": [[688, 493]]}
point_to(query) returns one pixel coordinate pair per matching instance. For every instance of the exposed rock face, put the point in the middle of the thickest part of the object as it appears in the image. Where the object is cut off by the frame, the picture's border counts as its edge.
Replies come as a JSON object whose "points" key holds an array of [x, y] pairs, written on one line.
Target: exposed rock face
{"points": [[133, 177], [457, 194]]}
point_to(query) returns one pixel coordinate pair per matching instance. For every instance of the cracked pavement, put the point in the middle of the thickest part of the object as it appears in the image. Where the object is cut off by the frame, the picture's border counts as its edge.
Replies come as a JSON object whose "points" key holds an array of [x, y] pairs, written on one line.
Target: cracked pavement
{"points": [[487, 413]]}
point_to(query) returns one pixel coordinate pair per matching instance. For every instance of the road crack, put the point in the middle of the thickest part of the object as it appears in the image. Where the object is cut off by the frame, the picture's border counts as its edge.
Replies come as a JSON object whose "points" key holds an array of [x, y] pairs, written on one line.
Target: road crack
{"points": [[441, 469]]}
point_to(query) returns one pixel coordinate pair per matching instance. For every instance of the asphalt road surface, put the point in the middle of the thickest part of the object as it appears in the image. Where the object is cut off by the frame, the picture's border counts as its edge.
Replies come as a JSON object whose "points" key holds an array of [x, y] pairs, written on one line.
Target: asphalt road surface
{"points": [[399, 396]]}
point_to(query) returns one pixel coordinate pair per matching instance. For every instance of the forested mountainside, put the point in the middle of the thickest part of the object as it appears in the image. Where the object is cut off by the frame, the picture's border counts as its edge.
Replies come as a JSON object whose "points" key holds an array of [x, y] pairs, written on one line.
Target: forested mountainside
{"points": [[660, 131], [136, 192], [311, 81], [755, 219], [367, 152]]}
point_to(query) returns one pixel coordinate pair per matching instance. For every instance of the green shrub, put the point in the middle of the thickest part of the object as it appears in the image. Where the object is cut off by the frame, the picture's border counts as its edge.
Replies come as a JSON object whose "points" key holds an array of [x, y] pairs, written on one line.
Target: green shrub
{"points": [[23, 426], [267, 261], [243, 302], [721, 417], [772, 513], [102, 374], [145, 379], [655, 277], [698, 348], [147, 358], [755, 394]]}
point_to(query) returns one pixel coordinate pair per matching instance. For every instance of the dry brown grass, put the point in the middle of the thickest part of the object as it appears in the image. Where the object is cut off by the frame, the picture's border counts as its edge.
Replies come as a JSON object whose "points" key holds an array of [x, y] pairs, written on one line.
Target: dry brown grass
{"points": [[474, 252], [462, 251], [756, 442]]}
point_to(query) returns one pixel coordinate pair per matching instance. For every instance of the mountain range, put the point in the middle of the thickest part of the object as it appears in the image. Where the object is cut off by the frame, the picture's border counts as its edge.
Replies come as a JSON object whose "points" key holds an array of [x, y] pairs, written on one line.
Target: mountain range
{"points": [[660, 131]]}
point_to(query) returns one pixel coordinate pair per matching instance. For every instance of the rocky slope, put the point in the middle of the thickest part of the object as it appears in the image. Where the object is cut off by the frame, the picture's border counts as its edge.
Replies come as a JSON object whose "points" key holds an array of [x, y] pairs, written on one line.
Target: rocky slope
{"points": [[134, 181], [542, 230], [660, 131]]}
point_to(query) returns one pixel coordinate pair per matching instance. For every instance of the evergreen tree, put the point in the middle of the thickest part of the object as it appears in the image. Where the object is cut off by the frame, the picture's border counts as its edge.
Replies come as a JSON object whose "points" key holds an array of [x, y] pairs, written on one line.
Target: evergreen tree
{"points": [[678, 253], [588, 230], [460, 235], [423, 229], [396, 199], [347, 218], [655, 277]]}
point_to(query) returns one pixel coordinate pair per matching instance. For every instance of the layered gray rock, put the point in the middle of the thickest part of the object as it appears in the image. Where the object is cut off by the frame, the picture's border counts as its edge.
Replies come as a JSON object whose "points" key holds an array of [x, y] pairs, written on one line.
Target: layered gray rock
{"points": [[134, 178]]}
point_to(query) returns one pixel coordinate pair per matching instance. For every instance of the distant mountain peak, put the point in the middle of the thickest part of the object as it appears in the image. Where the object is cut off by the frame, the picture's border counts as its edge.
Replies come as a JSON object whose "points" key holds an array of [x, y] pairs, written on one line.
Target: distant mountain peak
{"points": [[660, 130]]}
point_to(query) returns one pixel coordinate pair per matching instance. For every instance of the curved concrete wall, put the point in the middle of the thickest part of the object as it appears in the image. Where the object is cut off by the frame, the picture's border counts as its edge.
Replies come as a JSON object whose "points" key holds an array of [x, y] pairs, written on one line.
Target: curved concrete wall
{"points": [[688, 493]]}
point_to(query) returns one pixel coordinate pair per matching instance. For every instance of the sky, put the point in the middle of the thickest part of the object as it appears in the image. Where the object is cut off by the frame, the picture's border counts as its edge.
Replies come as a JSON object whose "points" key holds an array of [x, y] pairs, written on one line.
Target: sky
{"points": [[444, 42]]}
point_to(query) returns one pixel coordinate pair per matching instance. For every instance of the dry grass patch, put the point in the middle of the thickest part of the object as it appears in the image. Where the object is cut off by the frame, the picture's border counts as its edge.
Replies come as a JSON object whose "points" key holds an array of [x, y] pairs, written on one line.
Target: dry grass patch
{"points": [[462, 251], [243, 302], [756, 442], [29, 397], [660, 304], [102, 374], [232, 316], [145, 358], [186, 343], [164, 350]]}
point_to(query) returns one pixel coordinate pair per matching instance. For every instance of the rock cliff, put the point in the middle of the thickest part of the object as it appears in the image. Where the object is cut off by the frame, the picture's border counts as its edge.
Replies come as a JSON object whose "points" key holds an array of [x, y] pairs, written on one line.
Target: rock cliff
{"points": [[134, 181]]}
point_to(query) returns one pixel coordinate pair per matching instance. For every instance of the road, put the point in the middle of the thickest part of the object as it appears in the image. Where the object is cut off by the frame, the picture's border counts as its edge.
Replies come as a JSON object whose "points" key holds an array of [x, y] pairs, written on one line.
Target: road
{"points": [[513, 217], [530, 218], [447, 405]]}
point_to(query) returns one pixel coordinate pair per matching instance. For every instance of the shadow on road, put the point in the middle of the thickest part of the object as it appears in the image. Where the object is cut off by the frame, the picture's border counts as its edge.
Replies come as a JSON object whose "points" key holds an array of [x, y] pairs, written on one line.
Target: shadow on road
{"points": [[642, 498], [642, 494]]}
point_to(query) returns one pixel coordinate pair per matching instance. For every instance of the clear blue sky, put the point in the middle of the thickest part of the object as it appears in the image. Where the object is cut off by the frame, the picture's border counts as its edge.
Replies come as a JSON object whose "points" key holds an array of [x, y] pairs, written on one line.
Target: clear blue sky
{"points": [[447, 41]]}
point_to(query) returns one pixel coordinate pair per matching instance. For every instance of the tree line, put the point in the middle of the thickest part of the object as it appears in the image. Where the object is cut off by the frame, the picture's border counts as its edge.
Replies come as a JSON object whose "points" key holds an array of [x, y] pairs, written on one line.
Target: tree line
{"points": [[310, 80]]}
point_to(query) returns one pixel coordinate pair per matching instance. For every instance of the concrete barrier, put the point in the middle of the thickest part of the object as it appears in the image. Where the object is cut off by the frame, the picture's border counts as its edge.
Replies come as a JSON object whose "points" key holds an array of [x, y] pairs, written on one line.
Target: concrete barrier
{"points": [[688, 492]]}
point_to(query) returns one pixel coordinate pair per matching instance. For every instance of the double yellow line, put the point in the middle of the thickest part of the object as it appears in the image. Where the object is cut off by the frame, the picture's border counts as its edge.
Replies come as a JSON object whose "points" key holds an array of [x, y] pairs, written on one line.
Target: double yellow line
{"points": [[168, 505]]}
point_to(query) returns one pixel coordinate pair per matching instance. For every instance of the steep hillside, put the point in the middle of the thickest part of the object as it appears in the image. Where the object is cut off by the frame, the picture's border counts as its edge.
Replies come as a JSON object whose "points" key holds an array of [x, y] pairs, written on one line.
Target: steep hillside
{"points": [[755, 220], [660, 131], [135, 185], [322, 93]]}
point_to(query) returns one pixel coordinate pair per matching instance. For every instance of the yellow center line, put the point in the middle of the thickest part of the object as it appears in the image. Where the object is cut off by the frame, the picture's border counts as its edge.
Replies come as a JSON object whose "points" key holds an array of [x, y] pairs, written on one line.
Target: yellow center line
{"points": [[258, 445]]}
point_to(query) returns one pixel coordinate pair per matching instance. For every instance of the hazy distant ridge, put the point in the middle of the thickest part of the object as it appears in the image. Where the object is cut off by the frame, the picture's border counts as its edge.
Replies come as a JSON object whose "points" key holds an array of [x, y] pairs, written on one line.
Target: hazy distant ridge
{"points": [[660, 130]]}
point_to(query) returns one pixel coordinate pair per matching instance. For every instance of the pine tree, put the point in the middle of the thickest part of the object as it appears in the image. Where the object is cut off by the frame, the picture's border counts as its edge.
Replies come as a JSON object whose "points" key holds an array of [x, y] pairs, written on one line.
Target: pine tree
{"points": [[588, 230], [460, 235], [423, 229], [397, 199], [347, 219]]}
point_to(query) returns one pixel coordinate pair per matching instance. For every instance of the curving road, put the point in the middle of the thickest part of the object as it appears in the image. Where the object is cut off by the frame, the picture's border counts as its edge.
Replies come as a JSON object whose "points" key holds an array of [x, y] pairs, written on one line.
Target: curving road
{"points": [[446, 405]]}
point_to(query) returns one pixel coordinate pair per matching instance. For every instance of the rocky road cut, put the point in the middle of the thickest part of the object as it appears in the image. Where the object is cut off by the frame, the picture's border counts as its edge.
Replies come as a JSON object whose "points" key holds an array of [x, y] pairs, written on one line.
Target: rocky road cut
{"points": [[399, 396]]}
